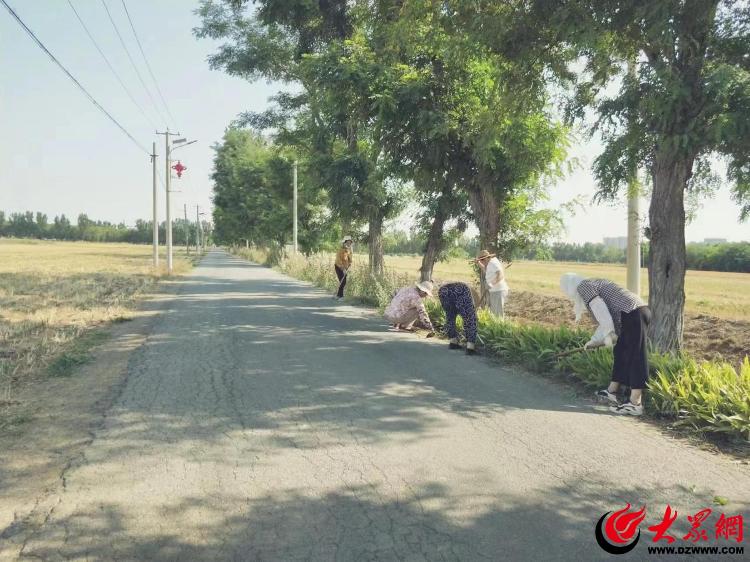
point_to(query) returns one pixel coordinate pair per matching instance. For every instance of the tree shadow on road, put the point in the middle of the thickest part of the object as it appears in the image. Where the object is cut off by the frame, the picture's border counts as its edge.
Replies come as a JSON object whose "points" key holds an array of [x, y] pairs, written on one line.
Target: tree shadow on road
{"points": [[362, 521], [263, 355]]}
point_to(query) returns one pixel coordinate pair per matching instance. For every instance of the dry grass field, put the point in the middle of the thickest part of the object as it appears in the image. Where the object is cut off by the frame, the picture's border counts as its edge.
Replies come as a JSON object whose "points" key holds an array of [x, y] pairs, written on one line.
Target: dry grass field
{"points": [[53, 293]]}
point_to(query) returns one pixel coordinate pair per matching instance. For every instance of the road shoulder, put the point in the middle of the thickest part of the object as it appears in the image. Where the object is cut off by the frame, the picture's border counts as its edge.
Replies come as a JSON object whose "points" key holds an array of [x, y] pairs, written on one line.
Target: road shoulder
{"points": [[61, 417]]}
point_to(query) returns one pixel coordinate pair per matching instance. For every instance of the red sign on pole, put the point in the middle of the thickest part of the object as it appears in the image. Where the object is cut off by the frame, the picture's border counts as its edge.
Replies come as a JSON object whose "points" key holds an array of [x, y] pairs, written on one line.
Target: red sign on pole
{"points": [[179, 168]]}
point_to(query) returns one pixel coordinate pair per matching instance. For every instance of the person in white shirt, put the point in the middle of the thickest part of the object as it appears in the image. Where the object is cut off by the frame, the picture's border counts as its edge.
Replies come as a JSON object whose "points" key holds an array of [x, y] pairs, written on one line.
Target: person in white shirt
{"points": [[494, 277]]}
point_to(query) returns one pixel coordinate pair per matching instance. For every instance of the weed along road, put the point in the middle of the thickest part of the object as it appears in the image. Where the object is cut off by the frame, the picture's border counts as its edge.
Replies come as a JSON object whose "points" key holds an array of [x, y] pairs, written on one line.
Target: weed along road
{"points": [[261, 420]]}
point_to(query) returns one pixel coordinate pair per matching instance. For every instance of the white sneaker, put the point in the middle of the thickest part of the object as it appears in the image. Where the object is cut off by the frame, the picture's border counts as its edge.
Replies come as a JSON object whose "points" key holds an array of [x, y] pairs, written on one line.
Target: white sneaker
{"points": [[605, 395], [627, 409]]}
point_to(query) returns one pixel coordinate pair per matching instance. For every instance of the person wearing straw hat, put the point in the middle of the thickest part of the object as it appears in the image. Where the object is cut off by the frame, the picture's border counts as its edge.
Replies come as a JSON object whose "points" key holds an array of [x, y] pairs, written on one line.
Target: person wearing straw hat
{"points": [[456, 301], [407, 307], [342, 264], [494, 277], [623, 318]]}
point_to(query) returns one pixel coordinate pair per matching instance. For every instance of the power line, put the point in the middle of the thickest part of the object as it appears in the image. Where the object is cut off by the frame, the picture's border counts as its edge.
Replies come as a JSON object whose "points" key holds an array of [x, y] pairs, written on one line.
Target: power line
{"points": [[132, 62], [106, 60], [73, 78], [148, 66]]}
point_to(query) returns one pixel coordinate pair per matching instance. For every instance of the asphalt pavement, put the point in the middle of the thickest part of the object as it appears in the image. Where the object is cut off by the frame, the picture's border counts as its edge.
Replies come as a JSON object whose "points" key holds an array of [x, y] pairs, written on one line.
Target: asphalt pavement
{"points": [[262, 420]]}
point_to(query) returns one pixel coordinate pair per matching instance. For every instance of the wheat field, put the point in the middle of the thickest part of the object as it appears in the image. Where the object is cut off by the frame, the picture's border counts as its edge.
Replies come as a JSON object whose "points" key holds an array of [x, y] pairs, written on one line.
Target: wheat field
{"points": [[51, 293]]}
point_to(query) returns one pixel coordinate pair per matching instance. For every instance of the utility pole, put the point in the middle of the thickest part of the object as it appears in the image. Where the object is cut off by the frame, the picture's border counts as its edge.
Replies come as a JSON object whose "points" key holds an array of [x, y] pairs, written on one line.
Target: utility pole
{"points": [[198, 228], [294, 205], [634, 239], [187, 232], [168, 177], [156, 218]]}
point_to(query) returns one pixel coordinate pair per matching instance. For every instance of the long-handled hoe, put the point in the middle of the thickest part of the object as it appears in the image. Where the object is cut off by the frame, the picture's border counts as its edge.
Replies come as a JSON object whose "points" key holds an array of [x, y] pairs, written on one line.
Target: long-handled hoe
{"points": [[569, 352]]}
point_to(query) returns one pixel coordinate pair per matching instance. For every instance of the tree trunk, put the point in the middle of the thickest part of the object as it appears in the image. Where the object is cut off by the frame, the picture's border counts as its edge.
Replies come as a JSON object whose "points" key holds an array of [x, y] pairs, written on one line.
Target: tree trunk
{"points": [[666, 271], [486, 210], [435, 241], [375, 242], [485, 207]]}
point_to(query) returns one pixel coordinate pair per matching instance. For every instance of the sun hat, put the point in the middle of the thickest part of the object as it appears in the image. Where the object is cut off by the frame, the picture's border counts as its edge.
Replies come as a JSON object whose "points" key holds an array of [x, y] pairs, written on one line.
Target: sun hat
{"points": [[485, 254], [425, 287], [347, 239], [569, 284]]}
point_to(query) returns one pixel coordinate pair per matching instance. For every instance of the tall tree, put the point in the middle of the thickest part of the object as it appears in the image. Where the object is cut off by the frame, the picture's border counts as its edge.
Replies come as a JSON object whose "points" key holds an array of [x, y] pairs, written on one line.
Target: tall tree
{"points": [[688, 102], [253, 195], [444, 111], [299, 41]]}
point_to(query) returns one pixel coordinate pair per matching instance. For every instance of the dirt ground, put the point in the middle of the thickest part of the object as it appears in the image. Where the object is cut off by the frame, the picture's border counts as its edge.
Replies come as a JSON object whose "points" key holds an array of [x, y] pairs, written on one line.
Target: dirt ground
{"points": [[51, 420], [705, 337]]}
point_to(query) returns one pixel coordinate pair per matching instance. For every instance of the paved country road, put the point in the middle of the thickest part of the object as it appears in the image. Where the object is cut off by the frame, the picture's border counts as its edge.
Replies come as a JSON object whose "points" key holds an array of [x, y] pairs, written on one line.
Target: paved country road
{"points": [[260, 420]]}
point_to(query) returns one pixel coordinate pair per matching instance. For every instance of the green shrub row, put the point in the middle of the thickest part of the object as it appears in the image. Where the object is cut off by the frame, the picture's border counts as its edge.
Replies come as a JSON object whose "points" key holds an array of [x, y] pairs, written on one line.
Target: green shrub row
{"points": [[701, 396]]}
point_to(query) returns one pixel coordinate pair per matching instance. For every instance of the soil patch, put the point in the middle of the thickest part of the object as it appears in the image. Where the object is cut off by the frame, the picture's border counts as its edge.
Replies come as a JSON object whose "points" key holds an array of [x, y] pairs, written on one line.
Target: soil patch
{"points": [[705, 337]]}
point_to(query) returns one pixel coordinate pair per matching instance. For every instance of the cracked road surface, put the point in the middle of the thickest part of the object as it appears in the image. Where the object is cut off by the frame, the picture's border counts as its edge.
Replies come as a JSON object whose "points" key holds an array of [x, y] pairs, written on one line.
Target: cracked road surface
{"points": [[260, 420]]}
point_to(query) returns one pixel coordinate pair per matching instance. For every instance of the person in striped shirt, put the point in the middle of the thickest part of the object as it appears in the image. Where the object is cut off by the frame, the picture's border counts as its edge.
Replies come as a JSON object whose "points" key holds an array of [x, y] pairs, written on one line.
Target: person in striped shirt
{"points": [[623, 320]]}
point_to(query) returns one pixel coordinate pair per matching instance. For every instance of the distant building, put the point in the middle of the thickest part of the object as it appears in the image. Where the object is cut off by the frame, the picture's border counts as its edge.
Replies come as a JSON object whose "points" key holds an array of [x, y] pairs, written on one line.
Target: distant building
{"points": [[714, 240], [619, 242]]}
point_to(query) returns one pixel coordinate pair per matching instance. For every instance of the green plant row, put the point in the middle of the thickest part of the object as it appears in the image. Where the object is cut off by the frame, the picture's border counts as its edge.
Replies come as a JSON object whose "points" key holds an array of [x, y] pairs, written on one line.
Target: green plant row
{"points": [[701, 396]]}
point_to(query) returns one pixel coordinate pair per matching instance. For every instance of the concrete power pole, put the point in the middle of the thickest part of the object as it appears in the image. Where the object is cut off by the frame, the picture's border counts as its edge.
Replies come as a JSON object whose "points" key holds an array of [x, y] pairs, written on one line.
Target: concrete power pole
{"points": [[168, 177], [187, 231], [168, 174], [198, 228], [294, 205], [169, 205], [634, 238], [156, 218]]}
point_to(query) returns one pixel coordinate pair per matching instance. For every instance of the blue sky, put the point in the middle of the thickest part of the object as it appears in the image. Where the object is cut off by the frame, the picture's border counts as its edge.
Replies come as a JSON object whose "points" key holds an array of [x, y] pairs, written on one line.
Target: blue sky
{"points": [[59, 154]]}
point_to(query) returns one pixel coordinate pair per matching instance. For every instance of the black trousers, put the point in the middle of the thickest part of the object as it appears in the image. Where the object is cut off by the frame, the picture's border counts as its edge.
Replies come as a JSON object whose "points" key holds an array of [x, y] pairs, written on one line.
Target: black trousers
{"points": [[342, 281], [631, 349]]}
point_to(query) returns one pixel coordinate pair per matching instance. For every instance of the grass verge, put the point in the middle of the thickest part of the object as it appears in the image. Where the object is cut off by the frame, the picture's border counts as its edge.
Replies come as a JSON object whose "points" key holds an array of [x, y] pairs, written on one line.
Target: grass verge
{"points": [[77, 353]]}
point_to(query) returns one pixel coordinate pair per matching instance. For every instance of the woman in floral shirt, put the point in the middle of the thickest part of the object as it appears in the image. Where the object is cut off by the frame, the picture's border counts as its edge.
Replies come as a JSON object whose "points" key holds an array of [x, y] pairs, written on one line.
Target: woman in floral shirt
{"points": [[407, 307]]}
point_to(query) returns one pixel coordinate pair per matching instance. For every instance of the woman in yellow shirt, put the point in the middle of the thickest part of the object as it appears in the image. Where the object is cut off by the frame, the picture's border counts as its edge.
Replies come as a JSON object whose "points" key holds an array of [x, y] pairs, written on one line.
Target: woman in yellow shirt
{"points": [[342, 264]]}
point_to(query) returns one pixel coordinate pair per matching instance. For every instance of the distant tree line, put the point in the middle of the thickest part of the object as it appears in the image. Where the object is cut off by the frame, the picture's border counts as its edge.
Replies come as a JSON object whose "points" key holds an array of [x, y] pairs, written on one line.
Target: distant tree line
{"points": [[37, 225], [728, 256]]}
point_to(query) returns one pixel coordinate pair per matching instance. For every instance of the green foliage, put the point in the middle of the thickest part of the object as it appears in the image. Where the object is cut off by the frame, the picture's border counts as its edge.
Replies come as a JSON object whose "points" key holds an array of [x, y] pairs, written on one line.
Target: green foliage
{"points": [[593, 368], [681, 81], [77, 354], [253, 195], [362, 285], [534, 347], [394, 93], [29, 225], [706, 396], [524, 225], [719, 257], [728, 256]]}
